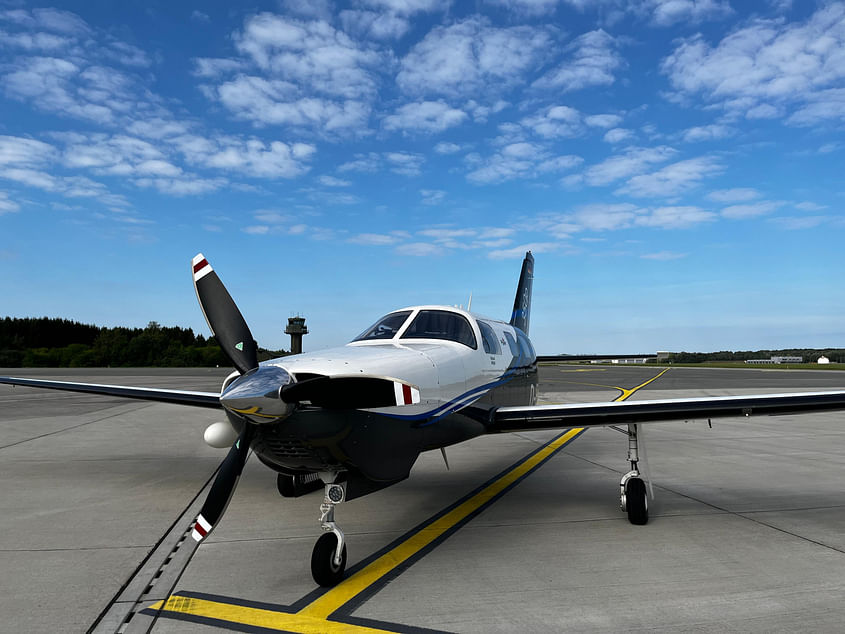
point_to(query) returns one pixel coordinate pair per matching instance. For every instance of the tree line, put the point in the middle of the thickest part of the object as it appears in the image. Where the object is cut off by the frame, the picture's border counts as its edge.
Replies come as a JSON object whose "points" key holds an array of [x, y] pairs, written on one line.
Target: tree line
{"points": [[809, 355], [51, 342]]}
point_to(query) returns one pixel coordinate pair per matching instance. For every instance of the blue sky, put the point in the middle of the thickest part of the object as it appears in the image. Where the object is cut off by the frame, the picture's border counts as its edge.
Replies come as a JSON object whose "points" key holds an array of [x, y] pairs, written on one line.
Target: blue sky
{"points": [[676, 166]]}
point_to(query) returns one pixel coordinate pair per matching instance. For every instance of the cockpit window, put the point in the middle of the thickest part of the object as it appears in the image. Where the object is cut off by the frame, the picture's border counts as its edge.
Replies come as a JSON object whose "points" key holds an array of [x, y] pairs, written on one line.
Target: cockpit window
{"points": [[488, 338], [441, 324], [384, 328]]}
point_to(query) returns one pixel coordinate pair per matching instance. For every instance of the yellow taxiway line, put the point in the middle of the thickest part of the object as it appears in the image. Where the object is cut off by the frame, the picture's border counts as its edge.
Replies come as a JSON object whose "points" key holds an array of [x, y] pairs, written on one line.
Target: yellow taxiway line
{"points": [[315, 617]]}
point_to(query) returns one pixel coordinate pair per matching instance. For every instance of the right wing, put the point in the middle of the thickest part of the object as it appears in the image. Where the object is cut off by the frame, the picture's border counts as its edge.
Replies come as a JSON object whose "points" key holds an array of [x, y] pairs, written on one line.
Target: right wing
{"points": [[528, 417], [180, 397]]}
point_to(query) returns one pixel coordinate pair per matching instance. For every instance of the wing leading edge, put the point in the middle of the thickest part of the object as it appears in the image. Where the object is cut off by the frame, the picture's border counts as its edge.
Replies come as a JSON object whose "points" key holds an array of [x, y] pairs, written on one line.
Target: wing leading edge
{"points": [[524, 418], [180, 397]]}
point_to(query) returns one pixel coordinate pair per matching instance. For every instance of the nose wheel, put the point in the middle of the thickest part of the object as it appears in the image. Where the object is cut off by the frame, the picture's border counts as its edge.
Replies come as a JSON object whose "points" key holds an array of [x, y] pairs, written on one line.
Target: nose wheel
{"points": [[328, 559]]}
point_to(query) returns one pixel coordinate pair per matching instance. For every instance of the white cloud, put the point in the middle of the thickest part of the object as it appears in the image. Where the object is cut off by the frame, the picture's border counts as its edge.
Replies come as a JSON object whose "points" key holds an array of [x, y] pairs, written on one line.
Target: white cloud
{"points": [[751, 210], [603, 120], [593, 62], [215, 67], [768, 67], [675, 217], [7, 205], [332, 181], [432, 196], [405, 163], [668, 12], [707, 132], [519, 251], [419, 249], [664, 256], [311, 53], [445, 147], [471, 58], [734, 195], [554, 122], [277, 102], [809, 206], [618, 135], [672, 179], [374, 239], [633, 160], [792, 223], [21, 151], [187, 185], [362, 163], [255, 158], [518, 160], [425, 116], [373, 24]]}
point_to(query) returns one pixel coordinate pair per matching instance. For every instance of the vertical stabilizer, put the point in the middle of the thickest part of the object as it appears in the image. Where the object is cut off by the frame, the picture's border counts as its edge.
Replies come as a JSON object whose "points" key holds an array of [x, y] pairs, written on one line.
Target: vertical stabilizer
{"points": [[522, 303]]}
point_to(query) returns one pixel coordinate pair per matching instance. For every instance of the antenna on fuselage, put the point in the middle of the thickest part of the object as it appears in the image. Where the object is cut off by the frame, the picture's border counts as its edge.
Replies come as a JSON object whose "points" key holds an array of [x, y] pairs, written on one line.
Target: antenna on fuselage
{"points": [[469, 303]]}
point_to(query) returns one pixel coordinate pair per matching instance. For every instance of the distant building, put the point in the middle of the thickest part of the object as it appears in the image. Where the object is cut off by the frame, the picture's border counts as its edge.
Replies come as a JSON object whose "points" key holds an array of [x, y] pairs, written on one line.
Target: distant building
{"points": [[296, 328], [823, 360], [775, 360]]}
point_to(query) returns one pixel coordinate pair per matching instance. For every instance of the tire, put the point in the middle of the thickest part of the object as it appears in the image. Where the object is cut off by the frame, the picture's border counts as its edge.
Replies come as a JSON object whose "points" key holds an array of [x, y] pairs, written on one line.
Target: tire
{"points": [[323, 570], [286, 485], [636, 501]]}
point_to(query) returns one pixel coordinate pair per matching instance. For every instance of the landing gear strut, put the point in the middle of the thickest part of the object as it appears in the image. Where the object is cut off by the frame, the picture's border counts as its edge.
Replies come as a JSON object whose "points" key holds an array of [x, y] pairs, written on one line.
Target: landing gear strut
{"points": [[633, 498], [328, 560]]}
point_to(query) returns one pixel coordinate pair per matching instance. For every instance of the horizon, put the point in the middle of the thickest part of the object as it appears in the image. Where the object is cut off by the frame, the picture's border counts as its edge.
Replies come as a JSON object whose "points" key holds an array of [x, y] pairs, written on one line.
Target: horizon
{"points": [[675, 167]]}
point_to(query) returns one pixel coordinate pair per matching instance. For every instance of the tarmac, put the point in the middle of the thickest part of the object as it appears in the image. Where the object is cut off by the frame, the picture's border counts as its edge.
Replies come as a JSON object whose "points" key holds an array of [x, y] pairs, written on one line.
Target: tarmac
{"points": [[745, 531]]}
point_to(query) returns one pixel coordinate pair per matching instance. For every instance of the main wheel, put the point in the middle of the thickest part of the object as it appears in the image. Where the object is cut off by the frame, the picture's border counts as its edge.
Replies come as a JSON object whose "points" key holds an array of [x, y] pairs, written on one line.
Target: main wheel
{"points": [[323, 568], [636, 501], [286, 485]]}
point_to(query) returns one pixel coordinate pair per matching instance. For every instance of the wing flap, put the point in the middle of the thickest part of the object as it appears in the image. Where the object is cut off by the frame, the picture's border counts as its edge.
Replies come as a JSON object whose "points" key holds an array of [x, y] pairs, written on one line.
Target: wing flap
{"points": [[524, 418], [180, 397]]}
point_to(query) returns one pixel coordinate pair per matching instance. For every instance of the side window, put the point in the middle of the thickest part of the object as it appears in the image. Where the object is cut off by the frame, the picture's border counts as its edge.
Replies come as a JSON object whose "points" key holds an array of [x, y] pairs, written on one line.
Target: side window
{"points": [[488, 338], [441, 324], [512, 345], [526, 348]]}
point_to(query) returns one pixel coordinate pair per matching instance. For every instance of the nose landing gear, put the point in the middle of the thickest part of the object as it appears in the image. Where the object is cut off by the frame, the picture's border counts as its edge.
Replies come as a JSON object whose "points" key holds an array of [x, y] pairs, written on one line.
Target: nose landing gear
{"points": [[328, 560]]}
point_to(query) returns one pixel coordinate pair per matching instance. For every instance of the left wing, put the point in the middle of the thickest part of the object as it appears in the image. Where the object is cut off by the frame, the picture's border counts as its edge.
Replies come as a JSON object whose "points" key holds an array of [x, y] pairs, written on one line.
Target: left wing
{"points": [[180, 397], [528, 417]]}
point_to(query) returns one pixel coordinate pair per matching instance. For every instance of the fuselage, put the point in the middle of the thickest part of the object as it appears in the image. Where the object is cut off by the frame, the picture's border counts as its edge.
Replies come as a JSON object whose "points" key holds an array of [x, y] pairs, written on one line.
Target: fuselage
{"points": [[461, 364]]}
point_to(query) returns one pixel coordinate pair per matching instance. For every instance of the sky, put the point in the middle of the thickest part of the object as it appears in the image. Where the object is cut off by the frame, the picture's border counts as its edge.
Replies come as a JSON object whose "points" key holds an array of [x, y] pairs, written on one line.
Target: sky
{"points": [[675, 166]]}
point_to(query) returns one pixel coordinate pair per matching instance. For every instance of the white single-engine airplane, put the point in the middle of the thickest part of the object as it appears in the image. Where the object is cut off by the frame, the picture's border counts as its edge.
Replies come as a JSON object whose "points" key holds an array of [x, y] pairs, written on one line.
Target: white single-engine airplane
{"points": [[354, 419]]}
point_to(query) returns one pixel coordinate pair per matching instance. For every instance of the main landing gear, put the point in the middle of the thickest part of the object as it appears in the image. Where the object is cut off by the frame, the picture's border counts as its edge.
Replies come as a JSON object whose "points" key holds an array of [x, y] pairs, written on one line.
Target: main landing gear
{"points": [[634, 498], [328, 560]]}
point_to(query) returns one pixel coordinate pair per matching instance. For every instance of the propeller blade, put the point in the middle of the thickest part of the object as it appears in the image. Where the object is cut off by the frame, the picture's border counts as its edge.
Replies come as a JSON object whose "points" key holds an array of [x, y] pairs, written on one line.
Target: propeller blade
{"points": [[351, 392], [223, 486], [223, 317]]}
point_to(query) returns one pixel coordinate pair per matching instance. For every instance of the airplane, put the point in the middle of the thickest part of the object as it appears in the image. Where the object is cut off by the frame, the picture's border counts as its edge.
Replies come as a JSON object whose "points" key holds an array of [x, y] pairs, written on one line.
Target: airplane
{"points": [[353, 419]]}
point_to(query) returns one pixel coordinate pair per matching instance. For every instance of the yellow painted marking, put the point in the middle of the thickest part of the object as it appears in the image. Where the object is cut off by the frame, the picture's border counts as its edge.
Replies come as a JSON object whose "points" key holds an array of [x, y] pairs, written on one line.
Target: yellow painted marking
{"points": [[360, 581], [256, 617], [587, 370], [312, 619], [627, 393]]}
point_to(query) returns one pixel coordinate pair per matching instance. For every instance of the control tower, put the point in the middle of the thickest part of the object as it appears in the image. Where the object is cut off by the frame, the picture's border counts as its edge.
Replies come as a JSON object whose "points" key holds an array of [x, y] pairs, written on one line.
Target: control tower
{"points": [[296, 328]]}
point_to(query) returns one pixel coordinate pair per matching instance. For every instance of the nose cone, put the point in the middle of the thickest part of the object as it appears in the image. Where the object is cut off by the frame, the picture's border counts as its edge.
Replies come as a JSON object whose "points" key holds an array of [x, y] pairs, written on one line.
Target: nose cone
{"points": [[256, 395]]}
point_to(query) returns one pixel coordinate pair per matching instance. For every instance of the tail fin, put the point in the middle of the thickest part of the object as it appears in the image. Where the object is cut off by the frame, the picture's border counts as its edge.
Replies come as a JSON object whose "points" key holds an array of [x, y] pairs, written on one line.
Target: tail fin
{"points": [[522, 303]]}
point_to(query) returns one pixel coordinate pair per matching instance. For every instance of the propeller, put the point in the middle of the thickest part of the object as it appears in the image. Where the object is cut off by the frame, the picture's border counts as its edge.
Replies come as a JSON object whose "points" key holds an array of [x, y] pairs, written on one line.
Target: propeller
{"points": [[233, 334], [224, 485], [223, 317]]}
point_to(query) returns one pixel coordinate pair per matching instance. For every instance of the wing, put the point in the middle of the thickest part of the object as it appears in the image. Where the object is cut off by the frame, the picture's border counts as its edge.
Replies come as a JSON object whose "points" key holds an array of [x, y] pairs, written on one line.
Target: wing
{"points": [[523, 418], [181, 397]]}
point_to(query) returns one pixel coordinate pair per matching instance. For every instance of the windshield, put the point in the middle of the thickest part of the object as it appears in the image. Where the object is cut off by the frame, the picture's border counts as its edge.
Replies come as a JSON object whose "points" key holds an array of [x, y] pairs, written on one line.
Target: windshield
{"points": [[384, 328], [441, 324]]}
